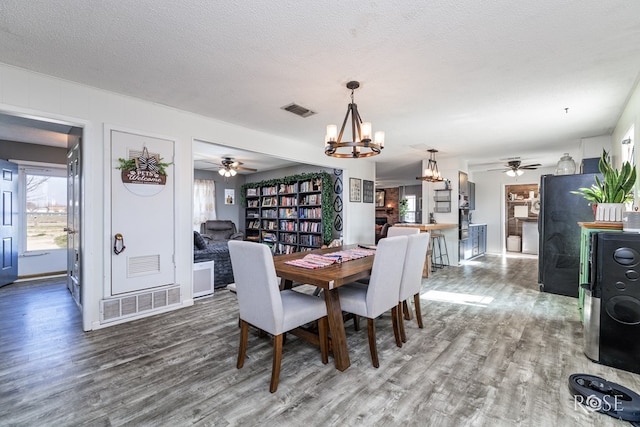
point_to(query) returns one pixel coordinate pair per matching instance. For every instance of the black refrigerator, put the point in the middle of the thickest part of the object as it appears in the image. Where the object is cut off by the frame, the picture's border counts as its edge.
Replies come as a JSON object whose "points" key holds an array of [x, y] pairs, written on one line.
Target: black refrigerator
{"points": [[559, 245]]}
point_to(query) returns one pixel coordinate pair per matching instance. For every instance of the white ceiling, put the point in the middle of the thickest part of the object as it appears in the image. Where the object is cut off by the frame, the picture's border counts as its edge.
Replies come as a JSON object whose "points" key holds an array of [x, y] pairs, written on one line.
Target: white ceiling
{"points": [[480, 80]]}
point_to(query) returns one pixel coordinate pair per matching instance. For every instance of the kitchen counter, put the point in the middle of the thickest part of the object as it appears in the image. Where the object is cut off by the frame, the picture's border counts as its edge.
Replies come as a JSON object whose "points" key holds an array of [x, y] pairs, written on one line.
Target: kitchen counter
{"points": [[429, 227]]}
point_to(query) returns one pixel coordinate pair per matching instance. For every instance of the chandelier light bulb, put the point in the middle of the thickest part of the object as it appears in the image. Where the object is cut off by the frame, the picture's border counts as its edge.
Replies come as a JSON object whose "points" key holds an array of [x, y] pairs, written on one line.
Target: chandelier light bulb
{"points": [[332, 133], [365, 128]]}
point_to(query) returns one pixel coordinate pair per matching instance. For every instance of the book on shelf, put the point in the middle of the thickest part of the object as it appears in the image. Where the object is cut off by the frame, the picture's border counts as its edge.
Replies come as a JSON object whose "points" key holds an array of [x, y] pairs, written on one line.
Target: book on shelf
{"points": [[269, 191], [310, 213], [288, 201], [269, 237], [288, 225], [269, 224], [288, 188], [269, 213], [291, 213], [311, 185]]}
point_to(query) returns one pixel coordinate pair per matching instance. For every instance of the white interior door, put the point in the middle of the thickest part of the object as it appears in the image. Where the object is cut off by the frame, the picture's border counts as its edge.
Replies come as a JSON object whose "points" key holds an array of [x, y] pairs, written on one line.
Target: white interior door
{"points": [[142, 213]]}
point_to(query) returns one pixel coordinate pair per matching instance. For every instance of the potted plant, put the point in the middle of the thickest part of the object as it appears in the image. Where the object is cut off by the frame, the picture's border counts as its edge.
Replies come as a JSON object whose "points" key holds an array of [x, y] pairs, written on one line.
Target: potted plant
{"points": [[403, 206], [612, 191]]}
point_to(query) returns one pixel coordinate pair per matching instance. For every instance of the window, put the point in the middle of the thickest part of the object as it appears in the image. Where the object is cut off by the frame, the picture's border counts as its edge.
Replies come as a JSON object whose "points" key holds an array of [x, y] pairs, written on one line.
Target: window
{"points": [[628, 155], [45, 208], [410, 216], [204, 198], [628, 149]]}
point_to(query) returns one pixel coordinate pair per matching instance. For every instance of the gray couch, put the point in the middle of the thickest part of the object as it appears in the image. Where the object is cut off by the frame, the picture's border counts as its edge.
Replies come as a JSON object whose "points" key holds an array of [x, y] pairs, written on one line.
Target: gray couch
{"points": [[211, 245], [220, 230]]}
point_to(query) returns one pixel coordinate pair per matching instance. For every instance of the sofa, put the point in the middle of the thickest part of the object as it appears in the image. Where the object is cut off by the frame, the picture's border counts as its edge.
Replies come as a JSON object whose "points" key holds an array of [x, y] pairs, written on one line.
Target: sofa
{"points": [[220, 230], [212, 245]]}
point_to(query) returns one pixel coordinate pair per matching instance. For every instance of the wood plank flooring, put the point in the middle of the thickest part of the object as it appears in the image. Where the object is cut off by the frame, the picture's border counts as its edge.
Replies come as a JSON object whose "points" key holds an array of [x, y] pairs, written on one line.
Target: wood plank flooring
{"points": [[500, 361]]}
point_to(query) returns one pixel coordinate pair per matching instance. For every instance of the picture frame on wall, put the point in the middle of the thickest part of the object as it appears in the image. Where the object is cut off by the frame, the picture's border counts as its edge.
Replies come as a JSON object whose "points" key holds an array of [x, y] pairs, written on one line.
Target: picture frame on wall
{"points": [[229, 196], [379, 198], [355, 189], [367, 191]]}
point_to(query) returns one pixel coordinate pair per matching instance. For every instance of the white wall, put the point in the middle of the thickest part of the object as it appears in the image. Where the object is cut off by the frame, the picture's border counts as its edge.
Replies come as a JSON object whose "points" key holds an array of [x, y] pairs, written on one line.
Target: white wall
{"points": [[630, 117], [29, 93]]}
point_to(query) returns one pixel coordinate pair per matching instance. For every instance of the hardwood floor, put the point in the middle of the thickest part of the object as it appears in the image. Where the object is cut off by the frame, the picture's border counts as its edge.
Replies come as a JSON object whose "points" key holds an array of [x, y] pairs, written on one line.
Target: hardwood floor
{"points": [[500, 355]]}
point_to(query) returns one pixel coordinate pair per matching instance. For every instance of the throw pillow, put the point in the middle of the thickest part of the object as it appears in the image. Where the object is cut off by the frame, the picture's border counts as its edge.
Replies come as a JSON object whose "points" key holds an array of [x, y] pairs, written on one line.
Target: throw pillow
{"points": [[199, 241]]}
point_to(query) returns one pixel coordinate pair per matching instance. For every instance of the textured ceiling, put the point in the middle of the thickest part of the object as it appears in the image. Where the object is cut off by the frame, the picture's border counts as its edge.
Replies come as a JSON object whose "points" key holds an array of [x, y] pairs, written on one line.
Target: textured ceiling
{"points": [[482, 80]]}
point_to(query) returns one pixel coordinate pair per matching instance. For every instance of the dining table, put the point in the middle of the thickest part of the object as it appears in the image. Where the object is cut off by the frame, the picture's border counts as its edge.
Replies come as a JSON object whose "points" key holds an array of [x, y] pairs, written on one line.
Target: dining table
{"points": [[329, 278]]}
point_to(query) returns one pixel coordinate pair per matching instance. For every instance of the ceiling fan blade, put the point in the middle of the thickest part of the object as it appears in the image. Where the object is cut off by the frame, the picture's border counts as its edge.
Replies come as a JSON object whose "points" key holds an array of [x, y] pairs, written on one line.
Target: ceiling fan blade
{"points": [[533, 166], [245, 169], [499, 169]]}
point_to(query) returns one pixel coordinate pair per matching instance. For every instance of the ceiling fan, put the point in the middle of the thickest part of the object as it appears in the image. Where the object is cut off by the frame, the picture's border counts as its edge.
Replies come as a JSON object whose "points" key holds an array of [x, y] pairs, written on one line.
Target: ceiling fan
{"points": [[230, 167], [516, 168]]}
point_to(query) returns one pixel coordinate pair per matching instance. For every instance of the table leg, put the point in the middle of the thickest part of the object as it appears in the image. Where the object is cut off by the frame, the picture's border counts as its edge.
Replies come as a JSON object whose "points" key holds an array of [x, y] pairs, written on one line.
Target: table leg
{"points": [[336, 326], [286, 284]]}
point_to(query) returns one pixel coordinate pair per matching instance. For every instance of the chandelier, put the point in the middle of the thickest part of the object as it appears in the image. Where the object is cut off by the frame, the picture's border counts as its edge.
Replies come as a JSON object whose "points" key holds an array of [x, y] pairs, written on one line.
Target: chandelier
{"points": [[431, 173], [360, 134]]}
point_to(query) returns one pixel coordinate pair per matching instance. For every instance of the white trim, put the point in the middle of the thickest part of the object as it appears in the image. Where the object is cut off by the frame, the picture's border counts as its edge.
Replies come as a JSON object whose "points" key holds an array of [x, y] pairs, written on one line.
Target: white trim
{"points": [[41, 165]]}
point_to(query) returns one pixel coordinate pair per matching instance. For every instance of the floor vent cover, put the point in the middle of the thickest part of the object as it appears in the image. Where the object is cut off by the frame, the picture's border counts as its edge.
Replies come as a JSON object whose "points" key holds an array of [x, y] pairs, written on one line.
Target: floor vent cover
{"points": [[113, 309]]}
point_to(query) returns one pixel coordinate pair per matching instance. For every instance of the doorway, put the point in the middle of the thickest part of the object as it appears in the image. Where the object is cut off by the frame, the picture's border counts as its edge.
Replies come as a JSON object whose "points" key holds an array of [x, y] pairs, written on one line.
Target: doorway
{"points": [[522, 206], [44, 149]]}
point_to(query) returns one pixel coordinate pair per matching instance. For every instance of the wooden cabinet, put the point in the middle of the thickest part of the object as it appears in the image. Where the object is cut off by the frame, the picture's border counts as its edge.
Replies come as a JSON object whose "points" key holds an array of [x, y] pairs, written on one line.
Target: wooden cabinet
{"points": [[586, 230], [287, 217]]}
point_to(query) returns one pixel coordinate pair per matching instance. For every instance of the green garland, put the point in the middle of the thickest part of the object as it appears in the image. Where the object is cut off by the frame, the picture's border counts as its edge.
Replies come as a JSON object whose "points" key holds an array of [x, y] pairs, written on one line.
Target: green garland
{"points": [[327, 193]]}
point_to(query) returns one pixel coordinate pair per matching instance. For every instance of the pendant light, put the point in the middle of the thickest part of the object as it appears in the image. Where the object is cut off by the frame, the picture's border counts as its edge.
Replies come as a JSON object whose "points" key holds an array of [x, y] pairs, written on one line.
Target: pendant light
{"points": [[361, 144]]}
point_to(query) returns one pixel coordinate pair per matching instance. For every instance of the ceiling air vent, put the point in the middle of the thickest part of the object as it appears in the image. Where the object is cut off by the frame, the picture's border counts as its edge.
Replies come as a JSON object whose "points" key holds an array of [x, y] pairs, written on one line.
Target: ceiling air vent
{"points": [[298, 110]]}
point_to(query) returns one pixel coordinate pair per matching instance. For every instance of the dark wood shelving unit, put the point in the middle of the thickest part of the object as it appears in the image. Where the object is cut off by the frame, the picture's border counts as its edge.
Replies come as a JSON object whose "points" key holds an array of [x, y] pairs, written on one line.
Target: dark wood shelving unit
{"points": [[287, 217]]}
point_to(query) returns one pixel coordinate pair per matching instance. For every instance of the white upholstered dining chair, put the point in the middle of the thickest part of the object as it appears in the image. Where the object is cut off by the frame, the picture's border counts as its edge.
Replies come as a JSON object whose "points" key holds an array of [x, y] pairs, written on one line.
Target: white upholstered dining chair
{"points": [[402, 231], [382, 293], [411, 282], [264, 306]]}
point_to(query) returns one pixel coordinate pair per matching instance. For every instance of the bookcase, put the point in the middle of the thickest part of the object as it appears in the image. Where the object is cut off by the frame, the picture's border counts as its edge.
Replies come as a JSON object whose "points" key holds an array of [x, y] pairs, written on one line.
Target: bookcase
{"points": [[287, 216]]}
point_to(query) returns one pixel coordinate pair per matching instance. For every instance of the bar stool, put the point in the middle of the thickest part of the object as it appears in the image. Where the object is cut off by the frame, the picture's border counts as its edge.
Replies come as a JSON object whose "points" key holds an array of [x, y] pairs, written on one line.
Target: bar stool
{"points": [[439, 252]]}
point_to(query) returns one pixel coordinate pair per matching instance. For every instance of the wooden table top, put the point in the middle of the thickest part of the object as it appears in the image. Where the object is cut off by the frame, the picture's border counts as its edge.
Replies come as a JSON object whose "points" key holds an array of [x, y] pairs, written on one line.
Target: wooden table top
{"points": [[602, 225], [329, 277]]}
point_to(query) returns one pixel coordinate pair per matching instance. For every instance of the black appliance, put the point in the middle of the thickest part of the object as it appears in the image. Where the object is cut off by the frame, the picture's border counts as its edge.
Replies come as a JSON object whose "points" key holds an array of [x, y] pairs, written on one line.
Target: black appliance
{"points": [[559, 232], [612, 301]]}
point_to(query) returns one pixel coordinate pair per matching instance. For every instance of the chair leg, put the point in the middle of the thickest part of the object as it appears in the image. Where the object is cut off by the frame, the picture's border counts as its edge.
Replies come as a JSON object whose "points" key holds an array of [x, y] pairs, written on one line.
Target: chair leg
{"points": [[403, 336], [323, 327], [277, 360], [244, 336], [406, 310], [416, 302], [396, 329], [371, 329], [356, 322]]}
